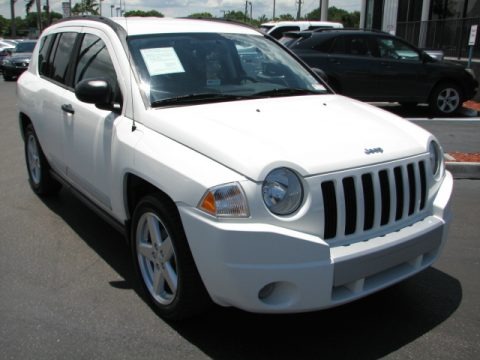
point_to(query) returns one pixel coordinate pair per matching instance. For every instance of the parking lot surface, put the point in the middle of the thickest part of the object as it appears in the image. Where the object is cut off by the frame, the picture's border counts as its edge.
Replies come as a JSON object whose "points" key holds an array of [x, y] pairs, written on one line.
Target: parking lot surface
{"points": [[67, 290]]}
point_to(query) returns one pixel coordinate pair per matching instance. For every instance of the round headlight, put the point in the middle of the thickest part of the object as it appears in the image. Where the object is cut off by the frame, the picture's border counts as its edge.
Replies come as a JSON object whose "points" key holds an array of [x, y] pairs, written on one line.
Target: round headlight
{"points": [[282, 191], [436, 158]]}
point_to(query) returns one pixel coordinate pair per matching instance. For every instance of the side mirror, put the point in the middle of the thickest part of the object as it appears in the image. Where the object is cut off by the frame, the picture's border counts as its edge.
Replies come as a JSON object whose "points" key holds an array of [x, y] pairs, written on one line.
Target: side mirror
{"points": [[95, 91], [320, 73]]}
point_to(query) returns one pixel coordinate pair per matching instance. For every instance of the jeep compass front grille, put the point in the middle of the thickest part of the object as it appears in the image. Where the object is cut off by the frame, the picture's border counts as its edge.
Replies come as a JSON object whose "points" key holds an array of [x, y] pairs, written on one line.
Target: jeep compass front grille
{"points": [[374, 198]]}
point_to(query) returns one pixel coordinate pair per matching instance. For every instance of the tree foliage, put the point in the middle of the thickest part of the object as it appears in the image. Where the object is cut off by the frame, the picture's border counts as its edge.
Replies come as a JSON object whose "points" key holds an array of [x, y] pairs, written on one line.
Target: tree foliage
{"points": [[30, 20], [348, 20], [285, 17], [203, 15], [235, 16], [142, 13], [86, 7], [4, 24]]}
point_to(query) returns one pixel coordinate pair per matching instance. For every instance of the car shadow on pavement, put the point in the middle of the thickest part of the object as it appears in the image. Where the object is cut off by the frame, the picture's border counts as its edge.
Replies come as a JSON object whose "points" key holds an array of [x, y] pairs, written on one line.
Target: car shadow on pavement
{"points": [[367, 329], [422, 111]]}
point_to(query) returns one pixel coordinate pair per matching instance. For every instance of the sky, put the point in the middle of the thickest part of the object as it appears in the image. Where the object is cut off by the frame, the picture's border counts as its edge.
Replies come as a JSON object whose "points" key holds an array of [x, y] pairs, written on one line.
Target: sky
{"points": [[177, 8]]}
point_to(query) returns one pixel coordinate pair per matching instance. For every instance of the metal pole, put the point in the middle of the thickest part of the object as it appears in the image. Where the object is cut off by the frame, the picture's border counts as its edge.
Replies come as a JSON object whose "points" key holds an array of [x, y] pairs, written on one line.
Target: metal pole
{"points": [[39, 16], [299, 13], [273, 18], [14, 24], [47, 11]]}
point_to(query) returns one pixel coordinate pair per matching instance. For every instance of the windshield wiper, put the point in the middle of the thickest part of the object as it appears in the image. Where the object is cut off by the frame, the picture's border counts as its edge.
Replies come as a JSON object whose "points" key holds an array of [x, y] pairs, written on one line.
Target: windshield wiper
{"points": [[194, 98], [285, 91]]}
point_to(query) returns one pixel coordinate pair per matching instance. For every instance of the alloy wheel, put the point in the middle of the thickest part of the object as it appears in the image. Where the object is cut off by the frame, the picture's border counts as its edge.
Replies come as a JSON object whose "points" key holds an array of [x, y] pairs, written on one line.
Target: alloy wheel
{"points": [[156, 258]]}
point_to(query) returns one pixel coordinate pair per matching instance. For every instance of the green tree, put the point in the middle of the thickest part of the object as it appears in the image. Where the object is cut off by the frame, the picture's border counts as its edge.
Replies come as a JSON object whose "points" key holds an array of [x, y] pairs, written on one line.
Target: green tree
{"points": [[142, 13], [349, 20], [86, 7], [31, 19], [286, 17], [263, 19], [28, 5], [203, 15], [4, 24], [235, 16]]}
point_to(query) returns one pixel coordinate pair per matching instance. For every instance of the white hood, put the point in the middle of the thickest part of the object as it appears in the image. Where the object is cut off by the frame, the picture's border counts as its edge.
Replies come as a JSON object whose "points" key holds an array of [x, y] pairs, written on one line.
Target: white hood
{"points": [[311, 134]]}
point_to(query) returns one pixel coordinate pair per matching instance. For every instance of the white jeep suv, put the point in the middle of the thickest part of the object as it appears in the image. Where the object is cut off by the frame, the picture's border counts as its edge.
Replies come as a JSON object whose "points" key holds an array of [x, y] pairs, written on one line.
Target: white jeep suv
{"points": [[237, 175]]}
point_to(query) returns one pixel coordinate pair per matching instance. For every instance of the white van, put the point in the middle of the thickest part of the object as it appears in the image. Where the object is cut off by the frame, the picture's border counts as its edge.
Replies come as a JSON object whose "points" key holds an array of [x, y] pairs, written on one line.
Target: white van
{"points": [[276, 29]]}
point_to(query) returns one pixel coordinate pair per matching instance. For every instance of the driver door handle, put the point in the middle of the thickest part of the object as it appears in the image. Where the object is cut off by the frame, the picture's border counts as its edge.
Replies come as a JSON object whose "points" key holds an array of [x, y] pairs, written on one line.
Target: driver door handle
{"points": [[68, 108]]}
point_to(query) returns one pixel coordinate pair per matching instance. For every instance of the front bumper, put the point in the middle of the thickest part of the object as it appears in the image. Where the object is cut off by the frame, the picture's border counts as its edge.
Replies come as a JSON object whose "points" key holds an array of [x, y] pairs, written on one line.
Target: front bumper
{"points": [[270, 269], [13, 70]]}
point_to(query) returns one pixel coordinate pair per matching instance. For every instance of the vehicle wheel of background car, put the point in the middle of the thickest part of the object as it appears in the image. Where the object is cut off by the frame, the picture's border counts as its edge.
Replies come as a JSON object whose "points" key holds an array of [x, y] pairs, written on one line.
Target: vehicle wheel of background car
{"points": [[164, 262], [39, 176], [446, 99], [7, 77]]}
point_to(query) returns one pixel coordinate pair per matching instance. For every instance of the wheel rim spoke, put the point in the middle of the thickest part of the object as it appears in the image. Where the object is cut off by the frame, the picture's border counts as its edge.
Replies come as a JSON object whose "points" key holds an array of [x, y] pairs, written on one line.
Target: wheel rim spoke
{"points": [[158, 282], [170, 277], [146, 250], [154, 230], [167, 249]]}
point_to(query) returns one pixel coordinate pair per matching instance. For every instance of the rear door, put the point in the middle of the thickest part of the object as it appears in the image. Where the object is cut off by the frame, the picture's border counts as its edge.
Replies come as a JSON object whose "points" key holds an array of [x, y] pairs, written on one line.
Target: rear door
{"points": [[53, 66], [350, 60]]}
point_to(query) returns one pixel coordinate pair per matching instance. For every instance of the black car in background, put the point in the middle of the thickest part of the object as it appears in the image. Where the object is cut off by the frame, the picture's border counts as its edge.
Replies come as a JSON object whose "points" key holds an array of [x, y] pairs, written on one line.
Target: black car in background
{"points": [[14, 65], [376, 66]]}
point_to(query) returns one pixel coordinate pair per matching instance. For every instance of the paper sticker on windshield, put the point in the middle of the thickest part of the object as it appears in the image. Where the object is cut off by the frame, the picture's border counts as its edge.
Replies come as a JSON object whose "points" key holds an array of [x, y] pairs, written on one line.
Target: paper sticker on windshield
{"points": [[319, 87], [162, 61]]}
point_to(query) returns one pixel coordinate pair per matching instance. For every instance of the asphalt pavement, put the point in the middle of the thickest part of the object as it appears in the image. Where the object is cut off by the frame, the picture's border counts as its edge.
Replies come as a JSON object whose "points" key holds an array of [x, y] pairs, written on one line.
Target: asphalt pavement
{"points": [[67, 289]]}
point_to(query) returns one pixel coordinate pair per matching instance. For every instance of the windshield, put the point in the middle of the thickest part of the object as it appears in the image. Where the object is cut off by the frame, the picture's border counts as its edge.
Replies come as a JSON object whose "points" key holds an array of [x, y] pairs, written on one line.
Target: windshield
{"points": [[205, 67], [264, 28], [26, 47]]}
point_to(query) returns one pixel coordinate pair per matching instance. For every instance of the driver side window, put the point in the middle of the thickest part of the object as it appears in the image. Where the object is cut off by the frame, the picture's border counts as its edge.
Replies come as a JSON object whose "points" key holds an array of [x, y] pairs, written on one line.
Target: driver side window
{"points": [[394, 49], [94, 62]]}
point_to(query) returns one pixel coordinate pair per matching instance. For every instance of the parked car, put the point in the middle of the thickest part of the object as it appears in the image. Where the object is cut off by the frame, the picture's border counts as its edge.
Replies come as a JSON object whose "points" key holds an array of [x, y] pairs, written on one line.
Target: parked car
{"points": [[4, 54], [237, 175], [15, 64], [376, 66], [278, 28]]}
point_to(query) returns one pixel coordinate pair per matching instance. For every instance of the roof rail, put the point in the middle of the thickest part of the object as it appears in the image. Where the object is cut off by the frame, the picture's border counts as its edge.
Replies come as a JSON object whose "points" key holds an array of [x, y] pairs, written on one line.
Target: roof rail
{"points": [[350, 29]]}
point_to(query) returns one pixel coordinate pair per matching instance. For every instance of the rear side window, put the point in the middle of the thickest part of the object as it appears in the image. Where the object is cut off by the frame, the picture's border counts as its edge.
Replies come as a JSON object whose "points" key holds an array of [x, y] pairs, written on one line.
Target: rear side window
{"points": [[45, 45], [278, 32], [352, 45], [324, 45], [60, 56]]}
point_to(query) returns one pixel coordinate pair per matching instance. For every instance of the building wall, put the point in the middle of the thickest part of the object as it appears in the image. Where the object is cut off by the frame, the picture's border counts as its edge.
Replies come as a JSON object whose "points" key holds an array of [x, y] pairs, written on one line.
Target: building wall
{"points": [[390, 11]]}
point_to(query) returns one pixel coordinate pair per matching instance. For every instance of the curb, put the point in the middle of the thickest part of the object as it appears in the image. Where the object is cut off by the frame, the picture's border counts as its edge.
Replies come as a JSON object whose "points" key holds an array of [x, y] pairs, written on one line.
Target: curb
{"points": [[464, 170]]}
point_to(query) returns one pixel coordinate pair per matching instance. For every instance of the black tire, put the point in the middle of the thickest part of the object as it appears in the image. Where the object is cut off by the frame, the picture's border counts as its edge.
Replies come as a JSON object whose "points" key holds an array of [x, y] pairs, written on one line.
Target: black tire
{"points": [[7, 77], [38, 169], [165, 265], [446, 99]]}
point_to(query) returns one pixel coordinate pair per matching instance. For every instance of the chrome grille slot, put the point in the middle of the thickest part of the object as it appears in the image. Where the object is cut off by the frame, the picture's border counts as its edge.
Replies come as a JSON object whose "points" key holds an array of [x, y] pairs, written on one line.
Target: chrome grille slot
{"points": [[377, 197]]}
